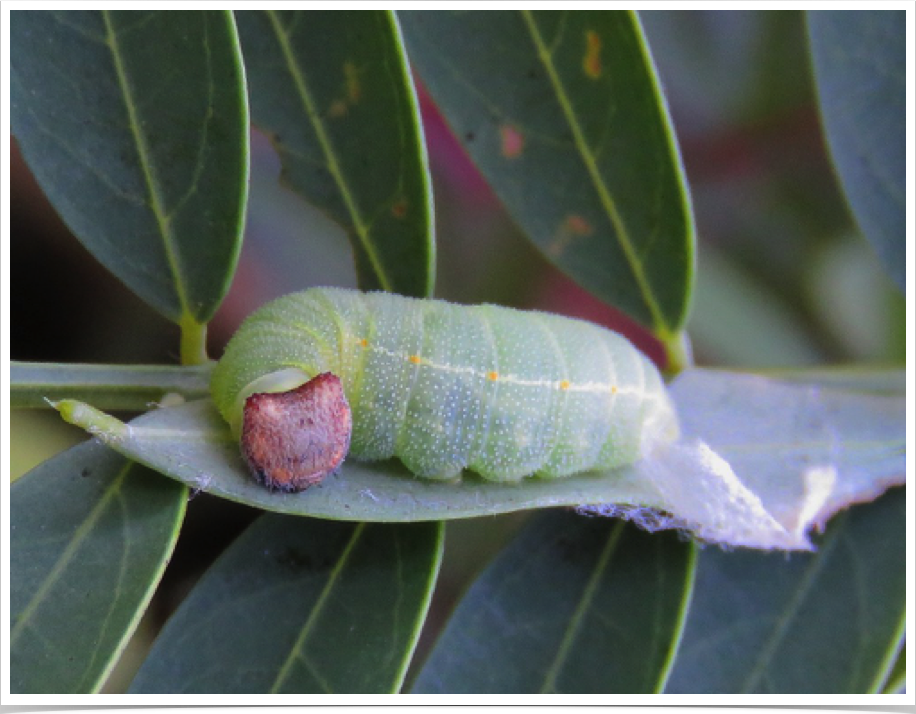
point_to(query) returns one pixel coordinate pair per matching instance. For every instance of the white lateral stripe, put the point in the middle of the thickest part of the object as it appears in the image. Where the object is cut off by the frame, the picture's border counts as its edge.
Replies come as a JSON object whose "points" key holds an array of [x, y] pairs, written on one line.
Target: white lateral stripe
{"points": [[560, 385]]}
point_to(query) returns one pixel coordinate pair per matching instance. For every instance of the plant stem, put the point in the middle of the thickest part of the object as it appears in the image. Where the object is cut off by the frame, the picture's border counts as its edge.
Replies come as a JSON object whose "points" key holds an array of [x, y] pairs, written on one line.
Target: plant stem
{"points": [[193, 341], [679, 353], [124, 387]]}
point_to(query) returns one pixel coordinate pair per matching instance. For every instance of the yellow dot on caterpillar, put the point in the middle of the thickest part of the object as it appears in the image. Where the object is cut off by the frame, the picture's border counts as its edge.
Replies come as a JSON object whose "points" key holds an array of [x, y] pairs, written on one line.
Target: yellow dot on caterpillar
{"points": [[493, 376], [364, 343], [564, 384], [613, 389], [414, 359]]}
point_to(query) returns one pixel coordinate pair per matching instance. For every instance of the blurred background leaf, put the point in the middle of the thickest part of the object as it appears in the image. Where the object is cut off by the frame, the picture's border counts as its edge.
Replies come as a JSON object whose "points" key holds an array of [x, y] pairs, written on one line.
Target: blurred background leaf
{"points": [[733, 311], [767, 202], [542, 95], [36, 436], [332, 92], [90, 535], [860, 67], [321, 607], [135, 124]]}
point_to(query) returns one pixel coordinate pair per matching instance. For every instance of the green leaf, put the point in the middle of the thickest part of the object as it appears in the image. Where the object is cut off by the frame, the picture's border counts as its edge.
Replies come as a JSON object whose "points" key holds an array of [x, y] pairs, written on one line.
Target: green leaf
{"points": [[193, 444], [135, 125], [860, 68], [333, 92], [317, 607], [820, 623], [128, 387], [562, 114], [573, 605], [90, 535], [896, 680], [738, 475]]}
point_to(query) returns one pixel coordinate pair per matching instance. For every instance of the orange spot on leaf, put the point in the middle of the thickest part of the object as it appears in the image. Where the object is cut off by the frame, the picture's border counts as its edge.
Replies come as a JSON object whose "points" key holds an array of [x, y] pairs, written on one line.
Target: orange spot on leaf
{"points": [[492, 376], [512, 141], [364, 342], [352, 91], [351, 77], [399, 209], [337, 109], [414, 359], [572, 227], [591, 63], [578, 225]]}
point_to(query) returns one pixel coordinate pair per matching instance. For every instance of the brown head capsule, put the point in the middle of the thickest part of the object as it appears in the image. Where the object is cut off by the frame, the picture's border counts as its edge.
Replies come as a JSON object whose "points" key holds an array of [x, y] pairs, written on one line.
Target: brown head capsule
{"points": [[292, 440]]}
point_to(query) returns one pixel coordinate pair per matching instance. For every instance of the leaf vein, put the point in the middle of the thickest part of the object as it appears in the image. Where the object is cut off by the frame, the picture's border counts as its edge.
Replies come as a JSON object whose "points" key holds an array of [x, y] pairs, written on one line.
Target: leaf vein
{"points": [[156, 202], [333, 578]]}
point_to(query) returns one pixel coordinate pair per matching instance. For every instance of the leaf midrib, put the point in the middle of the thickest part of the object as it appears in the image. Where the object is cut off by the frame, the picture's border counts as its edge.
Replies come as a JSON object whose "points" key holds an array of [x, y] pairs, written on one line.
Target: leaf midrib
{"points": [[297, 649], [585, 602], [152, 184], [788, 615]]}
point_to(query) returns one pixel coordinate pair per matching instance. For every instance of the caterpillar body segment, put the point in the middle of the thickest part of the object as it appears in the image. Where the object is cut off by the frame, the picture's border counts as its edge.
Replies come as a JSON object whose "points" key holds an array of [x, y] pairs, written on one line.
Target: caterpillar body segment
{"points": [[445, 387]]}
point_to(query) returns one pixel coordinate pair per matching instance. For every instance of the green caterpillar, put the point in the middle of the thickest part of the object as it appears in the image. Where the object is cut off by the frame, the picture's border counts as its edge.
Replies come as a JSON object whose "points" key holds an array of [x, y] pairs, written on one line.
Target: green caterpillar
{"points": [[443, 387]]}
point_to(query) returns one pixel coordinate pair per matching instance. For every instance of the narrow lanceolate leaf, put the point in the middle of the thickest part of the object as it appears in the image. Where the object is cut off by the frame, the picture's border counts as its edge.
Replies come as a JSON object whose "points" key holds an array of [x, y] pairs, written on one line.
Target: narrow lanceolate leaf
{"points": [[738, 475], [90, 534], [332, 91], [562, 114], [860, 69], [825, 622], [135, 125], [574, 605], [319, 607]]}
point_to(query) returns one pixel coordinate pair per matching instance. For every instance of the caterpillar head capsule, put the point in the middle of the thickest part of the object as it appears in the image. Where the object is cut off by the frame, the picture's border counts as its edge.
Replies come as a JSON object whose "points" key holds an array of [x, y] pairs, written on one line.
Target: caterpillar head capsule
{"points": [[292, 440]]}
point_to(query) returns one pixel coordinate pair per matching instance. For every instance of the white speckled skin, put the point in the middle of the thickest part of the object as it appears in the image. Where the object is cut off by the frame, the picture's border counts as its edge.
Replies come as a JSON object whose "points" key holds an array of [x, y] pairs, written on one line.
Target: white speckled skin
{"points": [[503, 392]]}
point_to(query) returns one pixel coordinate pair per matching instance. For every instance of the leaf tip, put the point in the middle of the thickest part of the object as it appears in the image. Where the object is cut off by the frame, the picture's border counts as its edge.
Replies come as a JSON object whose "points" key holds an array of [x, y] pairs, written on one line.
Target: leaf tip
{"points": [[97, 423]]}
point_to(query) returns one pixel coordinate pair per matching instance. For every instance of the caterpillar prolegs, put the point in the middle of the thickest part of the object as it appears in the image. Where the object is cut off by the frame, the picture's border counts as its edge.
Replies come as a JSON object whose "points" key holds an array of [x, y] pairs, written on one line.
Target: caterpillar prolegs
{"points": [[503, 392]]}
